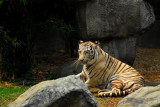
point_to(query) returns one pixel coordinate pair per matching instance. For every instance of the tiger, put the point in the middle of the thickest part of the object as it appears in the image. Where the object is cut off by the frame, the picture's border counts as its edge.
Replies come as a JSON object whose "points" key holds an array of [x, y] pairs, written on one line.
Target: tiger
{"points": [[100, 70]]}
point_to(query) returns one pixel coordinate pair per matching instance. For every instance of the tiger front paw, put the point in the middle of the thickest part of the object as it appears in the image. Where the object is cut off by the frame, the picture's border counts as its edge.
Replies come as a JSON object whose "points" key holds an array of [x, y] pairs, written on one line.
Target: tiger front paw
{"points": [[104, 94], [104, 90]]}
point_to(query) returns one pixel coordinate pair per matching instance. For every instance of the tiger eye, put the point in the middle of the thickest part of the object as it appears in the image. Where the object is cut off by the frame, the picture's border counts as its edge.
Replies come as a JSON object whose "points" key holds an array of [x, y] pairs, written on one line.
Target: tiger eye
{"points": [[87, 52]]}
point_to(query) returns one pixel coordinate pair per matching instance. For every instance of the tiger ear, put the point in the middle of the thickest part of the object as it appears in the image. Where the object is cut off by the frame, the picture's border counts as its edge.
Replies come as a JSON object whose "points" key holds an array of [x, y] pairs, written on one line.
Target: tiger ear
{"points": [[97, 43], [80, 41]]}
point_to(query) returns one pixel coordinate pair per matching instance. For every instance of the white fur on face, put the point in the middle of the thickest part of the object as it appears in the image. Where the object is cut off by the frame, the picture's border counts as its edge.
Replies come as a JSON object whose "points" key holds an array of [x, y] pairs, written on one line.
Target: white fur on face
{"points": [[88, 53]]}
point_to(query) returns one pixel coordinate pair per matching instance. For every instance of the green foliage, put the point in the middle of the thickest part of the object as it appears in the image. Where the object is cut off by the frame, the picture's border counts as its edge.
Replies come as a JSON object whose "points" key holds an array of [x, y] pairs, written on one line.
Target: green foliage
{"points": [[48, 75], [23, 1], [1, 2], [16, 39], [61, 26], [6, 40], [15, 56], [21, 21], [68, 30]]}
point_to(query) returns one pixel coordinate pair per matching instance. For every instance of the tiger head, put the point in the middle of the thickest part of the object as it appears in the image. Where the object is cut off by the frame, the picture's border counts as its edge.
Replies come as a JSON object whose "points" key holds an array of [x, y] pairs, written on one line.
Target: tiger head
{"points": [[88, 52]]}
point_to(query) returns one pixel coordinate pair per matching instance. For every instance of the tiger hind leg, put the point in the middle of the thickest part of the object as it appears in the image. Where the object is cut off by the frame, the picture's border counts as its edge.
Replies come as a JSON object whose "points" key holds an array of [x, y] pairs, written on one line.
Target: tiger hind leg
{"points": [[116, 86], [117, 91]]}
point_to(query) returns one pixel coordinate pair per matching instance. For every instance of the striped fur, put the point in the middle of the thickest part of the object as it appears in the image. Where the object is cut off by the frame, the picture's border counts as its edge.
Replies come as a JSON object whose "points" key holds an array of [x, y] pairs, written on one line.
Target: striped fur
{"points": [[101, 70]]}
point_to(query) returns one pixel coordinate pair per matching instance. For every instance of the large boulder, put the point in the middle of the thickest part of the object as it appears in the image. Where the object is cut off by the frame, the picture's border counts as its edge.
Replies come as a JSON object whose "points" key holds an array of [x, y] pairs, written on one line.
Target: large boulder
{"points": [[64, 92], [144, 97], [99, 19], [151, 38]]}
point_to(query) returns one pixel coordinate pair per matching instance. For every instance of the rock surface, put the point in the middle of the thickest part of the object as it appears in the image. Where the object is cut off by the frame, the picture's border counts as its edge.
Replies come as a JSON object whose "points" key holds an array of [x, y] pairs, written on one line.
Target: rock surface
{"points": [[98, 19], [69, 68], [64, 92], [123, 49], [150, 38], [143, 97]]}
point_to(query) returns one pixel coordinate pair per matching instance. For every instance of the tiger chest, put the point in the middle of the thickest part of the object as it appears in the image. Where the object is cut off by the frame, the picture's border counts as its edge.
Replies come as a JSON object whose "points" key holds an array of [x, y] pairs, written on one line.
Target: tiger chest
{"points": [[95, 82]]}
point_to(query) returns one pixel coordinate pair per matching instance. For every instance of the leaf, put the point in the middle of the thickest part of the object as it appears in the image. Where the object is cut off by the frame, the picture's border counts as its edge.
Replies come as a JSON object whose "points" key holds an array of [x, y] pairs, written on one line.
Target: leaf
{"points": [[1, 2], [23, 1], [15, 43]]}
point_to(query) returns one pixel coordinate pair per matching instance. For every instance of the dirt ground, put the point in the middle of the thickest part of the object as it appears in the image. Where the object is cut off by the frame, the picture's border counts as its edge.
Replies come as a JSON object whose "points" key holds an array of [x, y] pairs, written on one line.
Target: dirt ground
{"points": [[45, 64], [147, 62]]}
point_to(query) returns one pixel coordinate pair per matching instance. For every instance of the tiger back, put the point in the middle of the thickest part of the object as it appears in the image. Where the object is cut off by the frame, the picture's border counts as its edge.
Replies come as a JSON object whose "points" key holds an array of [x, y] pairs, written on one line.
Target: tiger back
{"points": [[100, 70]]}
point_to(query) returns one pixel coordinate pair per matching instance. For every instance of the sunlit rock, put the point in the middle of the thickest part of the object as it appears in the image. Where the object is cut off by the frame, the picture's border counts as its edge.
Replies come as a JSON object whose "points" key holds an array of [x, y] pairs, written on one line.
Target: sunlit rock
{"points": [[144, 97], [64, 92]]}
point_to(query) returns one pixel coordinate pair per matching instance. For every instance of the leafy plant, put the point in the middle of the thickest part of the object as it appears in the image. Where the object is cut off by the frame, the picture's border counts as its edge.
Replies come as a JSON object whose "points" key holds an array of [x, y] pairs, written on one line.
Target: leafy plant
{"points": [[69, 31], [23, 1], [21, 21], [12, 62]]}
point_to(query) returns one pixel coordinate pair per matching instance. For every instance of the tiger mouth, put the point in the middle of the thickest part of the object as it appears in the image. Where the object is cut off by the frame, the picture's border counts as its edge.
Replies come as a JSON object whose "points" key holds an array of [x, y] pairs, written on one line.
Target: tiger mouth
{"points": [[83, 62]]}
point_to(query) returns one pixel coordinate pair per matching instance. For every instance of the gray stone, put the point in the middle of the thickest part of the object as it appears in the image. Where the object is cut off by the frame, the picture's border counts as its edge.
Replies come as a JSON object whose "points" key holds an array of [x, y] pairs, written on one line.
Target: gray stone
{"points": [[64, 92], [143, 97], [69, 68], [150, 38], [99, 19], [123, 49]]}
